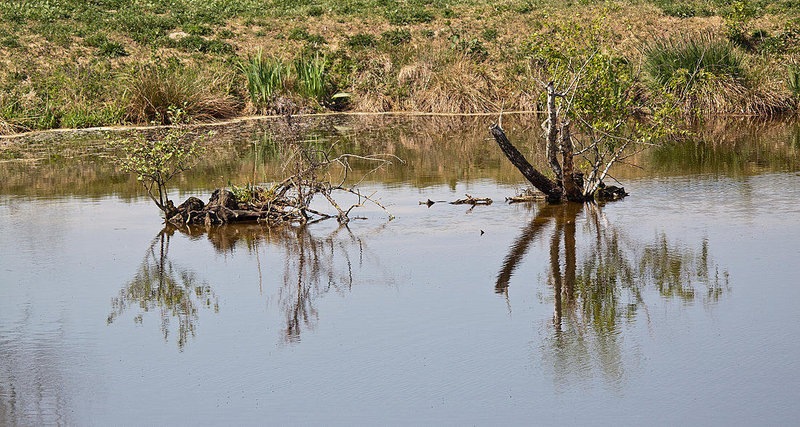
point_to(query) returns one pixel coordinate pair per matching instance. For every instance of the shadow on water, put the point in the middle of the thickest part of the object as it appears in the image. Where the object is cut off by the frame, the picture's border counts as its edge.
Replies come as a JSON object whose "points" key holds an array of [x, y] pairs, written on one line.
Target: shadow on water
{"points": [[313, 266], [601, 284]]}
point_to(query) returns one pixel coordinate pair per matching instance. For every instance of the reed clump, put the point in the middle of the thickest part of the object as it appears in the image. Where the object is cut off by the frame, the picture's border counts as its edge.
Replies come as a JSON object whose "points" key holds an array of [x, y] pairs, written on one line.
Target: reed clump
{"points": [[266, 77], [312, 77]]}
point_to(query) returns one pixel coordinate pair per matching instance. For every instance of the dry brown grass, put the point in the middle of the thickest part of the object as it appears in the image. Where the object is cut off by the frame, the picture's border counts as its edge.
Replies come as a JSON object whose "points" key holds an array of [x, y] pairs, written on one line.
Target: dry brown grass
{"points": [[202, 95], [5, 127]]}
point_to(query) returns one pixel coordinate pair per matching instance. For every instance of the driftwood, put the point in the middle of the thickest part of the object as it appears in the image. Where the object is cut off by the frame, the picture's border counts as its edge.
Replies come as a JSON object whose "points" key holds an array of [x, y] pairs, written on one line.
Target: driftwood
{"points": [[526, 196], [223, 208], [473, 201], [285, 202], [271, 206]]}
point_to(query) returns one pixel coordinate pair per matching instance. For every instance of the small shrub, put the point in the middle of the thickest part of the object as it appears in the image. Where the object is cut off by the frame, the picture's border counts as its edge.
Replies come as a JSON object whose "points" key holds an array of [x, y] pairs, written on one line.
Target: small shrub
{"points": [[157, 160], [737, 22], [786, 41]]}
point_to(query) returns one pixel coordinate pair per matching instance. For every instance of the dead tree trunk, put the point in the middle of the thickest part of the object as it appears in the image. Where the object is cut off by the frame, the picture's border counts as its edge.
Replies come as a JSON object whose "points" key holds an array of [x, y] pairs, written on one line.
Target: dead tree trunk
{"points": [[571, 188], [539, 181], [567, 181], [552, 134]]}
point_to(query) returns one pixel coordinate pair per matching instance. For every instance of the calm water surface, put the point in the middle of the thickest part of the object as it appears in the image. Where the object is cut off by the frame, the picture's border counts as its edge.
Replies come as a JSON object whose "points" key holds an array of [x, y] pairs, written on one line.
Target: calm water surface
{"points": [[677, 304]]}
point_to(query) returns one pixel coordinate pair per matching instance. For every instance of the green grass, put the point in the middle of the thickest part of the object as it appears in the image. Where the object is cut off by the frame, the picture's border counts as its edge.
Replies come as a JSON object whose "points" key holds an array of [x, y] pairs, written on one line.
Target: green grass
{"points": [[361, 40], [396, 36], [193, 43]]}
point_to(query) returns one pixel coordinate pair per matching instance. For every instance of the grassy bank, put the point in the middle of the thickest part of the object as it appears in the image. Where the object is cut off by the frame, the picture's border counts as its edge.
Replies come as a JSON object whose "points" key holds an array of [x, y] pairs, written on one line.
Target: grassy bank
{"points": [[71, 63]]}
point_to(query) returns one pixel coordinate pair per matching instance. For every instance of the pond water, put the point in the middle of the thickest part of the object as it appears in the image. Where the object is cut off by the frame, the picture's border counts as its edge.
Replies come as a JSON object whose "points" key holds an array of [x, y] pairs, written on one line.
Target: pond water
{"points": [[678, 303]]}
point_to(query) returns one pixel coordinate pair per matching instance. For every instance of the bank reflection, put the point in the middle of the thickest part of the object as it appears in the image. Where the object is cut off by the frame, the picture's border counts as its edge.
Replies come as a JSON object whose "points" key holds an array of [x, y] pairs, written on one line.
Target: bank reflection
{"points": [[601, 281]]}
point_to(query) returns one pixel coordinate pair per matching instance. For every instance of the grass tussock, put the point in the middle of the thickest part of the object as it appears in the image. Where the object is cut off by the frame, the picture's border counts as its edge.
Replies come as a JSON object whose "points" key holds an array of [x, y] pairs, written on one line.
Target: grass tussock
{"points": [[201, 95], [710, 75], [663, 60]]}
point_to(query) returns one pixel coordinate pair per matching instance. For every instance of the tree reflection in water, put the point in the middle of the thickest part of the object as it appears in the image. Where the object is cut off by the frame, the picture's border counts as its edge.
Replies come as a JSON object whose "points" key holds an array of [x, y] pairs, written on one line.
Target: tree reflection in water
{"points": [[312, 267], [601, 287], [162, 286]]}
